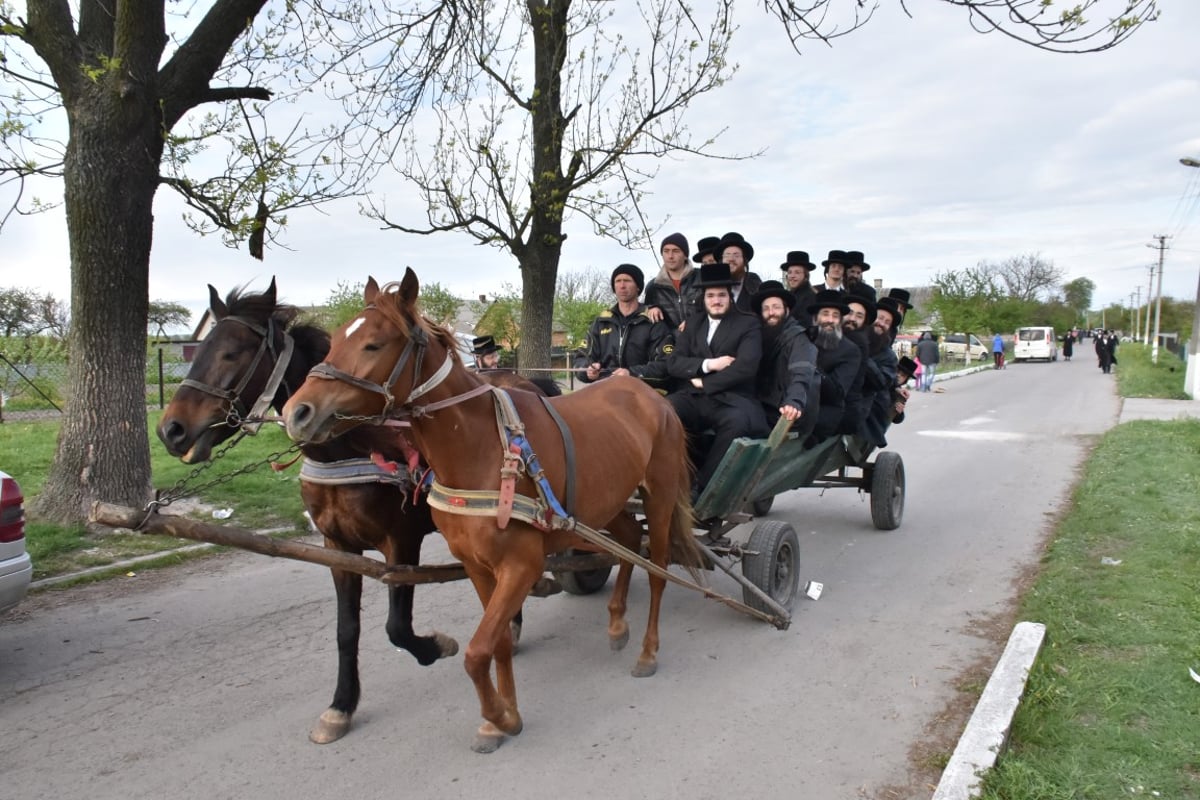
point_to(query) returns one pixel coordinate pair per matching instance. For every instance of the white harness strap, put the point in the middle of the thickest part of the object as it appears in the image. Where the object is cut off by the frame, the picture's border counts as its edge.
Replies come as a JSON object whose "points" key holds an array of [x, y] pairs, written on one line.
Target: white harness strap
{"points": [[434, 380]]}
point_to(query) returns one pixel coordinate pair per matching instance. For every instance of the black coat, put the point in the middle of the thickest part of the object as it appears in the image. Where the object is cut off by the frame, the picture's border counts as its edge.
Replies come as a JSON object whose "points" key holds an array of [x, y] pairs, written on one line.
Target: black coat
{"points": [[676, 305], [838, 368], [879, 384], [738, 335], [788, 374], [800, 311], [751, 283], [633, 343]]}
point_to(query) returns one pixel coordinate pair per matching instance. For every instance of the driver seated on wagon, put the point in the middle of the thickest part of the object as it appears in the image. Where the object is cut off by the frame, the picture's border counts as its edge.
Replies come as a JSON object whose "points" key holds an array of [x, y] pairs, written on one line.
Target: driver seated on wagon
{"points": [[716, 360]]}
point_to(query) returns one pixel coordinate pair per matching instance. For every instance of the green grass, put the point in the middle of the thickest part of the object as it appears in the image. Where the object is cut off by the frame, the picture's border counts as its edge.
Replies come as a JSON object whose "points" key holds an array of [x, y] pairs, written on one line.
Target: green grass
{"points": [[261, 498], [1110, 710], [1137, 376]]}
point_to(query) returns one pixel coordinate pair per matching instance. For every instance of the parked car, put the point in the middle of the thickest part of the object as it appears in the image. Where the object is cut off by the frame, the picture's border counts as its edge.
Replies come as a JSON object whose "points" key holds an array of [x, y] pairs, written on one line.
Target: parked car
{"points": [[956, 346], [1036, 341], [16, 570]]}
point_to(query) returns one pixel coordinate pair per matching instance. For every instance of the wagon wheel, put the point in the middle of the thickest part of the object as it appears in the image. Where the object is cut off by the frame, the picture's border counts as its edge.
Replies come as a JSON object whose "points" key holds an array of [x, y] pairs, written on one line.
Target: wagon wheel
{"points": [[762, 506], [887, 491], [584, 581], [773, 564]]}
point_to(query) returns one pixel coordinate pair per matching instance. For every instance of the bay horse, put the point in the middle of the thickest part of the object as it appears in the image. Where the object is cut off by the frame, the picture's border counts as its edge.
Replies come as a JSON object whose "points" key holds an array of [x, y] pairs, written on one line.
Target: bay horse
{"points": [[245, 352], [625, 437]]}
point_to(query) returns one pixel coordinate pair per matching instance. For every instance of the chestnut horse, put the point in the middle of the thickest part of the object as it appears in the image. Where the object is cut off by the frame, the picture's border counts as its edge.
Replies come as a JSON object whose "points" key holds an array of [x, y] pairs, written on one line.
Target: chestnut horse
{"points": [[625, 436], [235, 365]]}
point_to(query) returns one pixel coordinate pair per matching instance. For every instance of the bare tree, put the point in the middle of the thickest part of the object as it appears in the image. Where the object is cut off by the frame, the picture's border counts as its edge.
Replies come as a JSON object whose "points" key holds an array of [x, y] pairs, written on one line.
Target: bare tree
{"points": [[1029, 277]]}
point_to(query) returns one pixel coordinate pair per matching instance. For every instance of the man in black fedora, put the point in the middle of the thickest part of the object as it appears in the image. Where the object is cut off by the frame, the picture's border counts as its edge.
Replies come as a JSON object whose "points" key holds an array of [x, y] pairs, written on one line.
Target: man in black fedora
{"points": [[856, 265], [856, 323], [903, 299], [486, 352], [735, 251], [788, 382], [796, 271], [622, 340], [879, 383], [835, 271], [673, 295], [838, 360], [716, 361], [706, 250]]}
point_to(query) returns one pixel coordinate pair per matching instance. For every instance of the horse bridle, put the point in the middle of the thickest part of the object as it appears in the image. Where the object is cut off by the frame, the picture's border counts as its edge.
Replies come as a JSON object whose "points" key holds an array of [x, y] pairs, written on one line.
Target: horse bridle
{"points": [[236, 412], [418, 341]]}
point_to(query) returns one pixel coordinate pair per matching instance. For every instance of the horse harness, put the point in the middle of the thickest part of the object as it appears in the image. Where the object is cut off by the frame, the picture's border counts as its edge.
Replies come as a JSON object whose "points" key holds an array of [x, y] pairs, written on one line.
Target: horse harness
{"points": [[237, 415]]}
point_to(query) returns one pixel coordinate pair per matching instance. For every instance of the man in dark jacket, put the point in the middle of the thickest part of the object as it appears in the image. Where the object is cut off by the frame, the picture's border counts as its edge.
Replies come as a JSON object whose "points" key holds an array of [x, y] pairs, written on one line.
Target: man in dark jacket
{"points": [[856, 265], [796, 271], [735, 251], [622, 340], [838, 360], [716, 360], [788, 383], [928, 353], [855, 326], [879, 383], [673, 295]]}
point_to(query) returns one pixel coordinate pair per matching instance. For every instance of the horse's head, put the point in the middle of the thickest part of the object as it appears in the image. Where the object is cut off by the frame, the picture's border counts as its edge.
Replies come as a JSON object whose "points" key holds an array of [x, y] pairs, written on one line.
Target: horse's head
{"points": [[234, 366], [378, 363]]}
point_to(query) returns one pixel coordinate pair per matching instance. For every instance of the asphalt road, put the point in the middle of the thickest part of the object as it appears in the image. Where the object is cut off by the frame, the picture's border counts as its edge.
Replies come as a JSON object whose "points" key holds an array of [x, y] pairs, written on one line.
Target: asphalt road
{"points": [[203, 681]]}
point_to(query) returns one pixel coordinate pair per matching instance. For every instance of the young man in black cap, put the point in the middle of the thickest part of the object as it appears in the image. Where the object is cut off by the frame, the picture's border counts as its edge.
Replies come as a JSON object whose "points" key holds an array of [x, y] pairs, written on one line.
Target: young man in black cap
{"points": [[796, 270], [856, 265], [788, 383], [673, 295], [716, 359], [838, 360], [735, 251], [835, 271], [486, 352], [622, 340]]}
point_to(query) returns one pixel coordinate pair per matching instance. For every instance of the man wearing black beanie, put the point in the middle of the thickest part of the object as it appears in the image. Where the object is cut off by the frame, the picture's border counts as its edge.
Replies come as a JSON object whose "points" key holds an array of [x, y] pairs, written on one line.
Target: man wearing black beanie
{"points": [[673, 295], [623, 340]]}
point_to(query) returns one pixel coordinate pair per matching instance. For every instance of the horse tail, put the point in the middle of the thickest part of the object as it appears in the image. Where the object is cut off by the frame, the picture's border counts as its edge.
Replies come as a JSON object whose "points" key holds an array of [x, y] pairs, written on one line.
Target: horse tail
{"points": [[683, 548]]}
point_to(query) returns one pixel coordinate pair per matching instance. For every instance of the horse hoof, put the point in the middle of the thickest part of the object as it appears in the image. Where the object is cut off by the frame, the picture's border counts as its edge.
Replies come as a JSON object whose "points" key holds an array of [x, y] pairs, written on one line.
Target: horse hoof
{"points": [[331, 726], [618, 642], [489, 737], [545, 586], [644, 669], [447, 645]]}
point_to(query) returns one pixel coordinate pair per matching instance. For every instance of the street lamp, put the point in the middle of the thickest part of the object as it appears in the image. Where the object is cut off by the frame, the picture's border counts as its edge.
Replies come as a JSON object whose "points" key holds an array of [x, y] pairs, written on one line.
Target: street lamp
{"points": [[1191, 380]]}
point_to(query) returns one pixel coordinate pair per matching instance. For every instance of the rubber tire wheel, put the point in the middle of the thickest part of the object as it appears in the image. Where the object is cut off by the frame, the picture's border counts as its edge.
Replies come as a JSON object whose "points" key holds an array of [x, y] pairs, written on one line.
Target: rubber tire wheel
{"points": [[762, 506], [774, 565], [587, 581], [887, 491]]}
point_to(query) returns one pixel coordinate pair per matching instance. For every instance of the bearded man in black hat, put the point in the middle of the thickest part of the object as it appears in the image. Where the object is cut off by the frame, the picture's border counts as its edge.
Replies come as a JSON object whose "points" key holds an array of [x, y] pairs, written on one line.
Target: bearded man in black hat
{"points": [[838, 360], [486, 352], [622, 340], [788, 382], [856, 265], [673, 295], [716, 359], [735, 251], [855, 326], [879, 381], [796, 271]]}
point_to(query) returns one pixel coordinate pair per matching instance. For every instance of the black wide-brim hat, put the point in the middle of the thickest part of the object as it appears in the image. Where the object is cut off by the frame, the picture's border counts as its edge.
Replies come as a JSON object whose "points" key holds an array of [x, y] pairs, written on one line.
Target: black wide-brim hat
{"points": [[828, 298], [906, 364], [902, 297], [773, 289], [835, 257], [797, 258], [482, 345], [854, 258], [714, 275], [706, 246], [735, 239]]}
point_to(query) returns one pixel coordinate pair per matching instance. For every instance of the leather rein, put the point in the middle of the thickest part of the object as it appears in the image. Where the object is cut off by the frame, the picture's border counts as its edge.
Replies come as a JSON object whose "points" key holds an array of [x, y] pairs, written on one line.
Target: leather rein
{"points": [[237, 416]]}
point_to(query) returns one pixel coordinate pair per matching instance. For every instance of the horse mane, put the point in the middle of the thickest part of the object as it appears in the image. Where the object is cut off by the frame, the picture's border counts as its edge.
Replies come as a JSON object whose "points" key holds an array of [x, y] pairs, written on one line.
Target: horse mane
{"points": [[309, 337], [388, 304]]}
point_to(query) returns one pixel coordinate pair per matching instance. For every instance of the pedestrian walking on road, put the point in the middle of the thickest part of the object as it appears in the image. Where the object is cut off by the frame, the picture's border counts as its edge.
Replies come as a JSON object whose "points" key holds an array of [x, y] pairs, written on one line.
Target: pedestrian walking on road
{"points": [[928, 355], [998, 352]]}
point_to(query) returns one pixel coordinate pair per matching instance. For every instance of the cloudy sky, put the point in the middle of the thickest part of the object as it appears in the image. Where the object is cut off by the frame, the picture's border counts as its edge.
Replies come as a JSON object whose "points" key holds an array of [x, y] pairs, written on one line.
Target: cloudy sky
{"points": [[918, 141]]}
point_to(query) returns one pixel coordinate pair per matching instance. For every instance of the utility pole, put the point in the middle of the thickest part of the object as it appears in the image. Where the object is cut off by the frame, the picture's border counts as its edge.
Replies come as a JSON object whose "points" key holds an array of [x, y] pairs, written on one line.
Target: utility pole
{"points": [[1132, 307], [1162, 248], [1137, 315], [1149, 295], [1191, 381]]}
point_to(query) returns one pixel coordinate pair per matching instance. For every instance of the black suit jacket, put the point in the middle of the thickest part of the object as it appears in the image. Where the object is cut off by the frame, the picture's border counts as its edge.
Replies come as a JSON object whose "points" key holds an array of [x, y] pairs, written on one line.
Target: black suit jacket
{"points": [[738, 335]]}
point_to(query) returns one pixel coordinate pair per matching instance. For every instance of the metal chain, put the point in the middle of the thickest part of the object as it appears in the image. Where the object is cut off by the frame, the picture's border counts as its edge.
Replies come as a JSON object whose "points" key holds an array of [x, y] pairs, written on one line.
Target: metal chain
{"points": [[177, 491]]}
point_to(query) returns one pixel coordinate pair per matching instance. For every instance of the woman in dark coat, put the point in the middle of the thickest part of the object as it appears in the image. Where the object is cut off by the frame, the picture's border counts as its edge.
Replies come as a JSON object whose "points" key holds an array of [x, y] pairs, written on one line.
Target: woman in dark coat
{"points": [[1068, 345]]}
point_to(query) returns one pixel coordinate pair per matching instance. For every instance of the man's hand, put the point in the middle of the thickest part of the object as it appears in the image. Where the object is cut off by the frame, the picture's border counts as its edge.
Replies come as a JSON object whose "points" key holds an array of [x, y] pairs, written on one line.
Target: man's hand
{"points": [[593, 371], [654, 313], [719, 363], [790, 413], [699, 384], [620, 371], [904, 393]]}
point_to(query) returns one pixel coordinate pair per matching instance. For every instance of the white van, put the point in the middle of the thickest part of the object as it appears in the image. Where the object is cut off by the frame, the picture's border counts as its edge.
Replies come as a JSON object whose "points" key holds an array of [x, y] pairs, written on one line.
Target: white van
{"points": [[1035, 342]]}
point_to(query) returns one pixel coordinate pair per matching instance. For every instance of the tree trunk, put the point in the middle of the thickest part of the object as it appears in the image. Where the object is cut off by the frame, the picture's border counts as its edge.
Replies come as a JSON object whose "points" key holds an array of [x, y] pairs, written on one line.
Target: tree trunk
{"points": [[539, 274], [110, 173]]}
